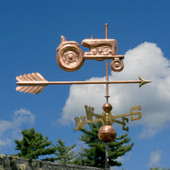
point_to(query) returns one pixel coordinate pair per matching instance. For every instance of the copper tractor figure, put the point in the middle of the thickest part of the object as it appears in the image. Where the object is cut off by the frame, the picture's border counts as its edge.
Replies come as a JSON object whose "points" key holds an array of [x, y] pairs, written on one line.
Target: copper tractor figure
{"points": [[70, 56]]}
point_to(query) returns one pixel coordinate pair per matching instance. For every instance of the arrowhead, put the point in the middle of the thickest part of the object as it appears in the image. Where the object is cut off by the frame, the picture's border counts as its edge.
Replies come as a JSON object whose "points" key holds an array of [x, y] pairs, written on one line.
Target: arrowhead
{"points": [[143, 81]]}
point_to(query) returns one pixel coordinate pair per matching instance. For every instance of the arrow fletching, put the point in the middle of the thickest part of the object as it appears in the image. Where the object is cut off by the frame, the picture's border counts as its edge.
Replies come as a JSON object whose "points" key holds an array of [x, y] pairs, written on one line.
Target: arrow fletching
{"points": [[31, 83]]}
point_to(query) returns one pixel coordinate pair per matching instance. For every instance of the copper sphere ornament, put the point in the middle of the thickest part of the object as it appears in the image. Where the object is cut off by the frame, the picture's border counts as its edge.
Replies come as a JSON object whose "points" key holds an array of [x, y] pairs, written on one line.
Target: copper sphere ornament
{"points": [[107, 107], [107, 133]]}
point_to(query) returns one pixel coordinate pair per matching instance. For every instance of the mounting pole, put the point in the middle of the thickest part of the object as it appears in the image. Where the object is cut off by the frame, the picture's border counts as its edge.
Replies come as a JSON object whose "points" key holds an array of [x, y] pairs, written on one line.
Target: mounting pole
{"points": [[107, 68], [107, 155], [107, 98], [107, 81]]}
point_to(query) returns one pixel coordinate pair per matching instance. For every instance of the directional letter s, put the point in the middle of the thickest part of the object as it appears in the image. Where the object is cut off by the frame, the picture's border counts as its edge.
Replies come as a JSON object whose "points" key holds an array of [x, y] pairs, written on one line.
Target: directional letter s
{"points": [[135, 113]]}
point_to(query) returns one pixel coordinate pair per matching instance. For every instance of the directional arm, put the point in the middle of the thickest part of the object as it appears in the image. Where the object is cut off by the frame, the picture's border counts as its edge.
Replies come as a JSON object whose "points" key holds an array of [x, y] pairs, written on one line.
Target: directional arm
{"points": [[132, 112], [34, 83], [80, 123], [106, 118]]}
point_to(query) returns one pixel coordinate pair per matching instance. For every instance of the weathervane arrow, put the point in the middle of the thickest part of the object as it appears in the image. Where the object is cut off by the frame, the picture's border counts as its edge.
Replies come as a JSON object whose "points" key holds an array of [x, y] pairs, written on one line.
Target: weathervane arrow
{"points": [[34, 83]]}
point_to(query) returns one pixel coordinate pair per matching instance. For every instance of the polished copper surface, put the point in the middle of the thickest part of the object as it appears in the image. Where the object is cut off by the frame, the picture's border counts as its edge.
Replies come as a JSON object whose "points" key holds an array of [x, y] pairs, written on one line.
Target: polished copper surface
{"points": [[40, 80], [107, 107], [101, 47], [117, 65], [107, 80], [106, 30], [32, 88], [34, 83], [69, 55], [102, 57], [107, 133]]}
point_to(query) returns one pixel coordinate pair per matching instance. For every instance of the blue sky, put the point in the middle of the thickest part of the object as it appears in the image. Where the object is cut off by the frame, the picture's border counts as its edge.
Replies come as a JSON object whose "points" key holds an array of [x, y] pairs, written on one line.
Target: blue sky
{"points": [[30, 32]]}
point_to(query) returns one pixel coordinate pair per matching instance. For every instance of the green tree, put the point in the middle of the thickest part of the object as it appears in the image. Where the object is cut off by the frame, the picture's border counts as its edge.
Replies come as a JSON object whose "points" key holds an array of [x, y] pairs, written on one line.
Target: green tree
{"points": [[64, 153], [33, 145], [94, 154]]}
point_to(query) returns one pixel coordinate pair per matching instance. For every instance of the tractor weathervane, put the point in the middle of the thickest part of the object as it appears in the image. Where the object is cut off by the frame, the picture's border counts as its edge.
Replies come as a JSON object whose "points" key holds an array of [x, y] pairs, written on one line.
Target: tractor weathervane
{"points": [[70, 57]]}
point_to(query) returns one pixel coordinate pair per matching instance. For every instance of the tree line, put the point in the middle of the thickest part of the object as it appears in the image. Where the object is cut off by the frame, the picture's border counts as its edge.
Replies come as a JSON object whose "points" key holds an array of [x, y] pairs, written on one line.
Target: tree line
{"points": [[33, 145]]}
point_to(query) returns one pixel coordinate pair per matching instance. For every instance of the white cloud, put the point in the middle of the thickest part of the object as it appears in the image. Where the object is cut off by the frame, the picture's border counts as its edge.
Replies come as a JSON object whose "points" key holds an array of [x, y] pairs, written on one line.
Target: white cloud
{"points": [[23, 116], [10, 130], [149, 132], [145, 60], [155, 158], [5, 142]]}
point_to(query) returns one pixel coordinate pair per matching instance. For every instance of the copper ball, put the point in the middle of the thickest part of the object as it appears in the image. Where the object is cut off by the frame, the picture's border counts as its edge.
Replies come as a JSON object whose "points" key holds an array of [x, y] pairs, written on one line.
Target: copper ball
{"points": [[107, 107], [107, 133]]}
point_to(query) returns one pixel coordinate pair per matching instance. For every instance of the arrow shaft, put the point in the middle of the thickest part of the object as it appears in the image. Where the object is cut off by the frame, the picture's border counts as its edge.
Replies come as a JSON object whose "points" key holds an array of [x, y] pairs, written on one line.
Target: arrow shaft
{"points": [[76, 82]]}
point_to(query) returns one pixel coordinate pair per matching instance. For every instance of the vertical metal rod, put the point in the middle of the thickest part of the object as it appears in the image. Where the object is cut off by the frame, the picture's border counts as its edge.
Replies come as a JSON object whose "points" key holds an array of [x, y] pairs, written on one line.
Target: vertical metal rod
{"points": [[107, 96], [107, 155], [107, 80], [107, 69], [106, 30]]}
